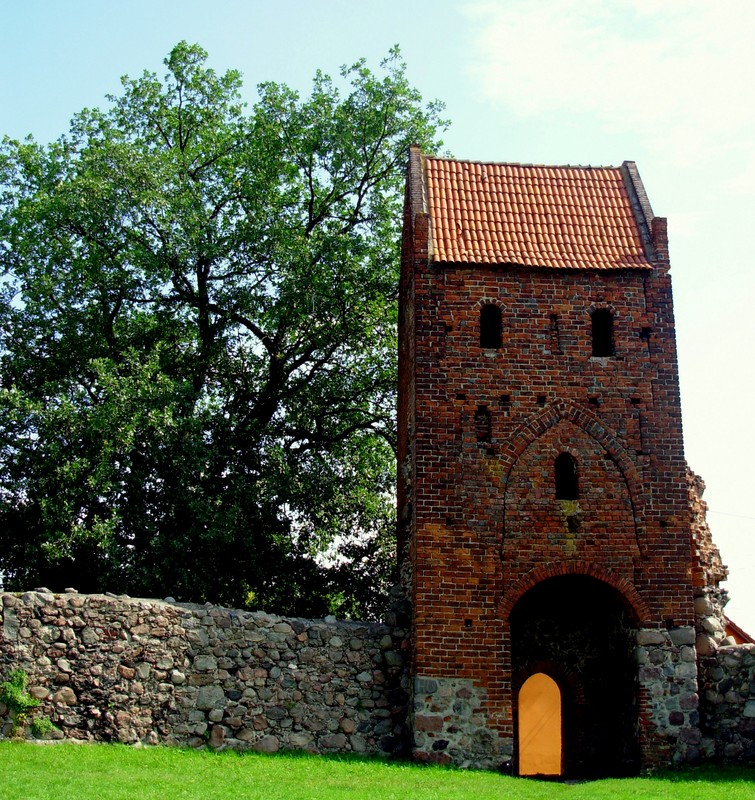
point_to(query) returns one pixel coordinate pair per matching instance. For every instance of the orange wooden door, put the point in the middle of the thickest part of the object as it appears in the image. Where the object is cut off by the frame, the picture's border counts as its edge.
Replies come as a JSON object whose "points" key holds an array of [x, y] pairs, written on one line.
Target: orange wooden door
{"points": [[540, 726]]}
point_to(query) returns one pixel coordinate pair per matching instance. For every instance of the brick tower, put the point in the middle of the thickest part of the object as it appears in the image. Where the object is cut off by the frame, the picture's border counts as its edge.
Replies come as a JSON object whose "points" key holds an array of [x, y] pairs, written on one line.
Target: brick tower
{"points": [[543, 511]]}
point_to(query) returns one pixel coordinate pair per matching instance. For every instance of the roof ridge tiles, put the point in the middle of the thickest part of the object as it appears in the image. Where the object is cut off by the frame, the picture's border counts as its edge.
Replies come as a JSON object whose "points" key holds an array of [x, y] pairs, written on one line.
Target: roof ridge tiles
{"points": [[522, 164]]}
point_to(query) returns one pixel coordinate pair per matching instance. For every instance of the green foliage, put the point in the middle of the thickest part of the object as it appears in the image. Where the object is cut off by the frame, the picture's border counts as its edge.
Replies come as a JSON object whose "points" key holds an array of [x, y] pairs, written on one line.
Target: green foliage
{"points": [[41, 726], [13, 694], [198, 339]]}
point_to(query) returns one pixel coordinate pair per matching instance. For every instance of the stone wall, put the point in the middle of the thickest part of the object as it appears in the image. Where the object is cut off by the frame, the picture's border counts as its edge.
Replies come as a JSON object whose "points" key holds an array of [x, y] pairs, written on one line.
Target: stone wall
{"points": [[727, 720], [111, 668], [116, 669], [450, 726], [669, 699]]}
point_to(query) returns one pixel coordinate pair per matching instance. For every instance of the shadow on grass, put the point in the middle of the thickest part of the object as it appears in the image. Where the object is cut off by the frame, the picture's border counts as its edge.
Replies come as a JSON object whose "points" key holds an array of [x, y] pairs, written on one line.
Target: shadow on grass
{"points": [[707, 773]]}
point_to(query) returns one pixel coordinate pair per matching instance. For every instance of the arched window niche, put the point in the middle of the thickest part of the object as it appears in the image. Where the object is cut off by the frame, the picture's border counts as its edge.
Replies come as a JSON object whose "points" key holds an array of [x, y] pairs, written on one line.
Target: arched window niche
{"points": [[491, 327], [565, 473], [602, 333]]}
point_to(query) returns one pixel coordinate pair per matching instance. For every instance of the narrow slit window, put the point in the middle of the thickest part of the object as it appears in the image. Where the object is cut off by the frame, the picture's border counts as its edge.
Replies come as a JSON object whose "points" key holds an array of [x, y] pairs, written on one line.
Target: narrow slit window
{"points": [[602, 333], [482, 424], [491, 329], [556, 335], [567, 487]]}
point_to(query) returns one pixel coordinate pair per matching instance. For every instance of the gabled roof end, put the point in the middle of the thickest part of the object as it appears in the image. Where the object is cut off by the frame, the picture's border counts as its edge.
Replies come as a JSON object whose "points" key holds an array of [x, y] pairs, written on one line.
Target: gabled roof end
{"points": [[417, 183], [641, 208]]}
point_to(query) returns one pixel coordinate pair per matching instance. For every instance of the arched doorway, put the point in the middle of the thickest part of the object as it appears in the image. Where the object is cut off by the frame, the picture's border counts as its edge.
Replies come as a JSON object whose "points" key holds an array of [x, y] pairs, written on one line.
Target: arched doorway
{"points": [[539, 740], [584, 632]]}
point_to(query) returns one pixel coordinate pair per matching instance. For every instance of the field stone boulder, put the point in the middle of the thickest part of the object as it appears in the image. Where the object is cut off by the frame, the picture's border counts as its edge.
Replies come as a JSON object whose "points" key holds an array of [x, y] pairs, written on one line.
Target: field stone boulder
{"points": [[246, 734], [347, 725], [204, 663], [209, 697], [705, 645], [217, 736], [334, 741], [300, 741], [267, 744], [65, 696]]}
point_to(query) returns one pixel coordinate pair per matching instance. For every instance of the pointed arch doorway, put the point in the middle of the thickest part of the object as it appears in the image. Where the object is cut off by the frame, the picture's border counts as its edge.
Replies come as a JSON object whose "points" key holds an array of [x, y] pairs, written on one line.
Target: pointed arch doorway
{"points": [[540, 720], [578, 633]]}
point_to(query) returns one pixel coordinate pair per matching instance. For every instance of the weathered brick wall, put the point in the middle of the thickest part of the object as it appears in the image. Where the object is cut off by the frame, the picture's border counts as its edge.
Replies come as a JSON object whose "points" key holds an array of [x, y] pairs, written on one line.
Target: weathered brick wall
{"points": [[539, 400], [489, 426], [599, 526], [116, 669], [708, 569]]}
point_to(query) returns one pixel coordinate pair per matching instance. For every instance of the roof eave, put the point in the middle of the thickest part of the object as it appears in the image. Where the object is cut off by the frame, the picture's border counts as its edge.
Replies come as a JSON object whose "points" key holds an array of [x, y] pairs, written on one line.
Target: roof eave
{"points": [[516, 265]]}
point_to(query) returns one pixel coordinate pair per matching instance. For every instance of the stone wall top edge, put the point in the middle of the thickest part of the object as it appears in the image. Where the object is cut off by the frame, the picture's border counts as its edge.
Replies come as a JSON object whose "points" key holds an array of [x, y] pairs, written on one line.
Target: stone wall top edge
{"points": [[743, 647], [195, 608]]}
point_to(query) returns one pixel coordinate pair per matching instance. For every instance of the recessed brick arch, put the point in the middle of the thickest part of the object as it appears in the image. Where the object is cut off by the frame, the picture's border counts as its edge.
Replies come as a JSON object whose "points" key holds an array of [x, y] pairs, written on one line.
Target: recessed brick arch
{"points": [[490, 301], [629, 595], [593, 307], [560, 409], [582, 621], [580, 416]]}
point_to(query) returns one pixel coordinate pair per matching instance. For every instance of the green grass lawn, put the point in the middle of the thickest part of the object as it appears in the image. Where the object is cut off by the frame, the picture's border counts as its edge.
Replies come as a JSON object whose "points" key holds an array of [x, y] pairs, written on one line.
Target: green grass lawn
{"points": [[114, 772]]}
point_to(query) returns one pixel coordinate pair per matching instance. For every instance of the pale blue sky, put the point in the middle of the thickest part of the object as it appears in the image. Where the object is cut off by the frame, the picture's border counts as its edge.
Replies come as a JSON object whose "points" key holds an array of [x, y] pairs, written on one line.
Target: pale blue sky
{"points": [[668, 85]]}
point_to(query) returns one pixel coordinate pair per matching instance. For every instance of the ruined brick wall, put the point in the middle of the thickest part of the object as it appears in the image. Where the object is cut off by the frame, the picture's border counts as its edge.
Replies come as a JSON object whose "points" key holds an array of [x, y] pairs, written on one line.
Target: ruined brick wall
{"points": [[413, 245], [117, 669], [708, 569], [707, 572]]}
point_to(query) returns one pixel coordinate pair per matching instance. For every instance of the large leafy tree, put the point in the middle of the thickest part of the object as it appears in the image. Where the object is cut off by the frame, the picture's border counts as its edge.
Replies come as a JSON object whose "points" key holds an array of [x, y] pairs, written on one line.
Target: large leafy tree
{"points": [[198, 337]]}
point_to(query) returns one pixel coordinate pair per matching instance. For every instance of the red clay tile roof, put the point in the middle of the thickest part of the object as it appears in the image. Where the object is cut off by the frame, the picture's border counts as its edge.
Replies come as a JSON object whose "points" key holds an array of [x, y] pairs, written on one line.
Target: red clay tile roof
{"points": [[740, 636], [563, 217]]}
